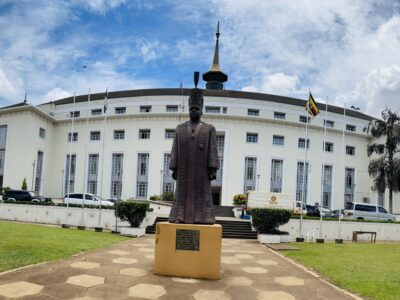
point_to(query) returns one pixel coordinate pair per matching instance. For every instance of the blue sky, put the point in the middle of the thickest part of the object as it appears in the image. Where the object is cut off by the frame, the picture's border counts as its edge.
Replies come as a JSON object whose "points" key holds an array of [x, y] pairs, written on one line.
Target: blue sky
{"points": [[347, 51]]}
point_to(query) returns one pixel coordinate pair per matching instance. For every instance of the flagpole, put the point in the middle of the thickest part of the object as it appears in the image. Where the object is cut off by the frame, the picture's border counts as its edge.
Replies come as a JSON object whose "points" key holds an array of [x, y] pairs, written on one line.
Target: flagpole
{"points": [[183, 102], [70, 139], [339, 240], [323, 170], [103, 152], [303, 192], [85, 166]]}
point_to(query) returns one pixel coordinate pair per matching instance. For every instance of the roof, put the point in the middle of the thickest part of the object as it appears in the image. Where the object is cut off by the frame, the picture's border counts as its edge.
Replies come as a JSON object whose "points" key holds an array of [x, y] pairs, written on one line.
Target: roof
{"points": [[24, 103], [212, 93]]}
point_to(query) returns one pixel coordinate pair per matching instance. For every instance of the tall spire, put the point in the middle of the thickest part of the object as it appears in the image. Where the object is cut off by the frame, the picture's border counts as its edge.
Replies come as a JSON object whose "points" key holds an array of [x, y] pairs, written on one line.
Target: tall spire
{"points": [[215, 78]]}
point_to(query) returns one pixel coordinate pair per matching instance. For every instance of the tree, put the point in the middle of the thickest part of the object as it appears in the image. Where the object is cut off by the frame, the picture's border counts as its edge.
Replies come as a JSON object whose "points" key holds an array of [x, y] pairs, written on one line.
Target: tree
{"points": [[24, 186], [386, 168]]}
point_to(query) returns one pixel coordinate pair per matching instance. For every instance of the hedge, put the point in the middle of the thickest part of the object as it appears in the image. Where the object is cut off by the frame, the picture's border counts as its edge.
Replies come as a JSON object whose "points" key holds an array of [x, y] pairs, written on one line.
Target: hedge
{"points": [[267, 220], [132, 211]]}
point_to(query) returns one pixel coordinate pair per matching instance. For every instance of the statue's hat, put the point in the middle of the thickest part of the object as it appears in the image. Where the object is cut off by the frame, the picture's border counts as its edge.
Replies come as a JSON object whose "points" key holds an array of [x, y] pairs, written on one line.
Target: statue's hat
{"points": [[196, 95]]}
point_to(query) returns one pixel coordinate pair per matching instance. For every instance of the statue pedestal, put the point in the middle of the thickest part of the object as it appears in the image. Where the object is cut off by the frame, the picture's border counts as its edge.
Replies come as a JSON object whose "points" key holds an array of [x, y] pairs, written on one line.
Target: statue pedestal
{"points": [[188, 250]]}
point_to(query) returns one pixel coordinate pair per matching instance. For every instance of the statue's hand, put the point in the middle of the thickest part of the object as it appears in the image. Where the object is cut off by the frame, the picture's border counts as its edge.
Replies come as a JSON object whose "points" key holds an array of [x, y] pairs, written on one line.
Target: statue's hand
{"points": [[174, 174], [212, 173]]}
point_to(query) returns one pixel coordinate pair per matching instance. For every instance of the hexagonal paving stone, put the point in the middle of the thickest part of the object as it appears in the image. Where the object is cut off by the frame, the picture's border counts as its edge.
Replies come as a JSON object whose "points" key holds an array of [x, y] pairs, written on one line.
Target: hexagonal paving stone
{"points": [[255, 270], [274, 296], [267, 262], [85, 280], [133, 272], [84, 298], [211, 295], [19, 289], [230, 260], [149, 256], [184, 280], [239, 281], [244, 256], [124, 260], [147, 291], [289, 280], [85, 265], [148, 250], [139, 245], [118, 252]]}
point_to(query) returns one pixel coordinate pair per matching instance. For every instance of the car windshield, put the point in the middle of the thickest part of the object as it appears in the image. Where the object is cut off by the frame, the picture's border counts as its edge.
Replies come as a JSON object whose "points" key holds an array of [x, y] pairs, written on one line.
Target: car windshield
{"points": [[98, 198]]}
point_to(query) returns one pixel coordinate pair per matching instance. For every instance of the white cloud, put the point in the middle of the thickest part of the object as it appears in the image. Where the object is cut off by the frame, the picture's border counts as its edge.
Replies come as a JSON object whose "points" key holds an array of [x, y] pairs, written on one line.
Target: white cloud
{"points": [[7, 87], [56, 93], [278, 83]]}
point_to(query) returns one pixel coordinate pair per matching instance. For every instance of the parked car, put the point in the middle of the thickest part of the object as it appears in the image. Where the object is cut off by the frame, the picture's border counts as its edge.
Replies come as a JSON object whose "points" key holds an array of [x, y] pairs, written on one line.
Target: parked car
{"points": [[20, 195], [314, 211], [363, 211], [90, 199]]}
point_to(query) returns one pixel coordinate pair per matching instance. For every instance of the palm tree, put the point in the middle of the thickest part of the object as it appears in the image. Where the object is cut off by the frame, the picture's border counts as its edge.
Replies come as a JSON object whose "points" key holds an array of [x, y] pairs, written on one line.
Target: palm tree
{"points": [[386, 168]]}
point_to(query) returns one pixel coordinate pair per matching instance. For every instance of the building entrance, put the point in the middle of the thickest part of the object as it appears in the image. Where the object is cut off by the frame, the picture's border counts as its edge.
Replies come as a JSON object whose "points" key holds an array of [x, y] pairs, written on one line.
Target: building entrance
{"points": [[216, 195]]}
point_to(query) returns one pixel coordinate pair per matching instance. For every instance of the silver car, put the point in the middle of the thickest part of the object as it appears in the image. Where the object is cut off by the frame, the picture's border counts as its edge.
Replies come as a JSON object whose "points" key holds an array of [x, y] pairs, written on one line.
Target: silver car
{"points": [[363, 211], [90, 199]]}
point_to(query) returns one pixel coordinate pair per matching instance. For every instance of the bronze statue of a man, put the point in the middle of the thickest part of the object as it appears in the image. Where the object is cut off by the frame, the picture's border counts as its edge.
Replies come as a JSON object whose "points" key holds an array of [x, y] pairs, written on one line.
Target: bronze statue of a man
{"points": [[194, 162]]}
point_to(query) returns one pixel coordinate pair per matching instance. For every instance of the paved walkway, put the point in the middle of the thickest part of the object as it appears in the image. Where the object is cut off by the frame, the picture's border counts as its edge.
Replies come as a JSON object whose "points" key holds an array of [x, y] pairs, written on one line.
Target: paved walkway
{"points": [[124, 271]]}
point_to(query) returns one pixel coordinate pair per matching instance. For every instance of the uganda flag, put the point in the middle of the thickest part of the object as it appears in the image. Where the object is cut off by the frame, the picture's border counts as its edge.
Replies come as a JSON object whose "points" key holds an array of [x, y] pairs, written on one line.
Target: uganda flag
{"points": [[311, 106]]}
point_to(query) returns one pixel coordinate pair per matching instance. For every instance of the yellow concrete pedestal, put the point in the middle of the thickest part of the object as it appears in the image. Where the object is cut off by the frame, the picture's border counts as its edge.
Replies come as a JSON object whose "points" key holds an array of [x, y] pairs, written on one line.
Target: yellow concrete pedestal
{"points": [[188, 250]]}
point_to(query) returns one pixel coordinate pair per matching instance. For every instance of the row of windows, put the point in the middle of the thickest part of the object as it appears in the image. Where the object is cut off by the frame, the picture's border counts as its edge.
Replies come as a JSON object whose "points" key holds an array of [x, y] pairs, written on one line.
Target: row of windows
{"points": [[280, 141], [211, 110], [120, 135]]}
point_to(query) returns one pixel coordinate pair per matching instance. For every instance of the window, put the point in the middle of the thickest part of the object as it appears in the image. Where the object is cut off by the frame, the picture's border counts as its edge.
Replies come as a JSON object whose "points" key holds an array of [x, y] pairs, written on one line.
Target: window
{"points": [[349, 185], [93, 166], [120, 110], [69, 181], [213, 109], [302, 143], [363, 207], [328, 147], [350, 150], [253, 112], [302, 181], [119, 134], [169, 133], [279, 115], [116, 175], [329, 123], [250, 174], [39, 169], [224, 110], [95, 135], [144, 134], [382, 210], [252, 137], [3, 136], [2, 155], [276, 176], [304, 119], [350, 127], [74, 114], [142, 175], [145, 108], [278, 140], [96, 112], [327, 185], [74, 136], [220, 151], [172, 108], [168, 182], [42, 133]]}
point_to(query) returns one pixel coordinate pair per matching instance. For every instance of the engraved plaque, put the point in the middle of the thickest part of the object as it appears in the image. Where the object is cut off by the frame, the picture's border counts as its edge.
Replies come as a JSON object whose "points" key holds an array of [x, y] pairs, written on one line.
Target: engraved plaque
{"points": [[187, 239]]}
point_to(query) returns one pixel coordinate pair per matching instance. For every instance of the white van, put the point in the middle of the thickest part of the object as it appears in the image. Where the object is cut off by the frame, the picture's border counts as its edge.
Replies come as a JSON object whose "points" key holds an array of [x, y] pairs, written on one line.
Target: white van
{"points": [[363, 211], [262, 199]]}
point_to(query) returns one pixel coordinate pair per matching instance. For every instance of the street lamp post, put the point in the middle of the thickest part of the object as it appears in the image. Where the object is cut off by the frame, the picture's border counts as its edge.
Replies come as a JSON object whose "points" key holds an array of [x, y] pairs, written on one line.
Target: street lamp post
{"points": [[161, 182], [258, 181], [62, 183]]}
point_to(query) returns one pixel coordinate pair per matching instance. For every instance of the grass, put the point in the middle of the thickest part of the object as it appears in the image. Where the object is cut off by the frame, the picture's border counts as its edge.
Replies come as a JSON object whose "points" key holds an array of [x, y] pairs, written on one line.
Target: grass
{"points": [[370, 270], [26, 244]]}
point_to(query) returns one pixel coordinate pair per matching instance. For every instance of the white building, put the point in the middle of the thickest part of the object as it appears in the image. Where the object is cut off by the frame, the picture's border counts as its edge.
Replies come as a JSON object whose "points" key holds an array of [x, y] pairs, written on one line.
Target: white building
{"points": [[123, 153]]}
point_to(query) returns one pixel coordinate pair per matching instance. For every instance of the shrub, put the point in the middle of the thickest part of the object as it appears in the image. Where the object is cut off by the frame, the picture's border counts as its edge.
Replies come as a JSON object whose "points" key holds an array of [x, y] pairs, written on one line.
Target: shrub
{"points": [[4, 189], [267, 220], [24, 186], [132, 211], [168, 196], [155, 197], [240, 199]]}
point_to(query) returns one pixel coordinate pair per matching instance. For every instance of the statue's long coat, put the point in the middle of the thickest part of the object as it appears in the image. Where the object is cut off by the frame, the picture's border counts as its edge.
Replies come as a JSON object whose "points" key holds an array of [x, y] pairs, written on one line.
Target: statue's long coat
{"points": [[192, 155]]}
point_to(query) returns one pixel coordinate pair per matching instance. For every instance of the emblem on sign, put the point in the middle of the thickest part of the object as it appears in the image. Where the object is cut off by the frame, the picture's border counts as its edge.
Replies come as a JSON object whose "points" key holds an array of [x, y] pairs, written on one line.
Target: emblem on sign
{"points": [[273, 200]]}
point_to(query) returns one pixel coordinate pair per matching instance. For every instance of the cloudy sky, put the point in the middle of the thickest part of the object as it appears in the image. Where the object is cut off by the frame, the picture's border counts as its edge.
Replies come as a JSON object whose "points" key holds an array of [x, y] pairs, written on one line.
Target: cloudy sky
{"points": [[348, 51]]}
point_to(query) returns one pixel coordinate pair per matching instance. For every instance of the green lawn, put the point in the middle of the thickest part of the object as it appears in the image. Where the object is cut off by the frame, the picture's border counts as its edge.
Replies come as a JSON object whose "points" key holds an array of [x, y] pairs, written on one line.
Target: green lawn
{"points": [[370, 270], [25, 244]]}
